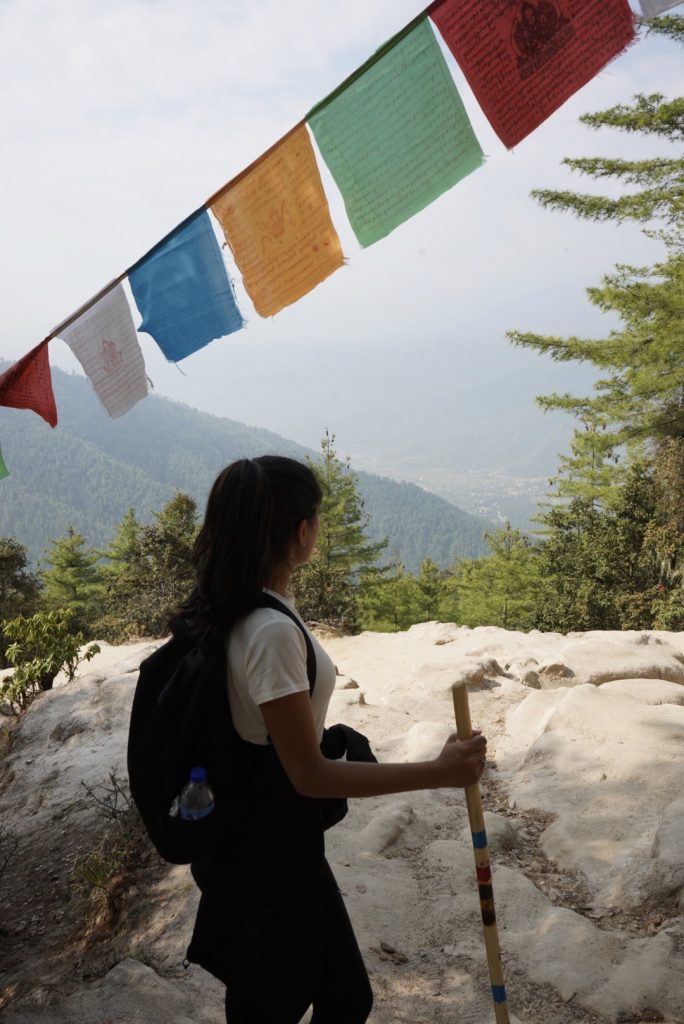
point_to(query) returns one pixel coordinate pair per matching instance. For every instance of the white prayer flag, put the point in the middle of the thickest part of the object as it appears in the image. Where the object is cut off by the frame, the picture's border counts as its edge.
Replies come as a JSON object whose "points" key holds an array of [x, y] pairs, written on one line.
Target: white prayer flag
{"points": [[105, 342], [652, 8]]}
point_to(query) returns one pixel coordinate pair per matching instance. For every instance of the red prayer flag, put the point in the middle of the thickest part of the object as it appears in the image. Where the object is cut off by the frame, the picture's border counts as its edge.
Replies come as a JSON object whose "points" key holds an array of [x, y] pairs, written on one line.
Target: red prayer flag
{"points": [[28, 384], [523, 59]]}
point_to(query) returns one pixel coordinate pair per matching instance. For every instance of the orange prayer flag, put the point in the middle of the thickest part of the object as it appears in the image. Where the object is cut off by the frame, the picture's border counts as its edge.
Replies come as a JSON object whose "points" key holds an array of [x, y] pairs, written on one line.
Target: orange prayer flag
{"points": [[277, 223], [28, 384]]}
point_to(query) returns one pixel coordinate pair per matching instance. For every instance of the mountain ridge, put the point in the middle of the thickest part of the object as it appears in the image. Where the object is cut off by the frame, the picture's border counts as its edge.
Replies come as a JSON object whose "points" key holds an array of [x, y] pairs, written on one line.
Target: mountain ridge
{"points": [[91, 469]]}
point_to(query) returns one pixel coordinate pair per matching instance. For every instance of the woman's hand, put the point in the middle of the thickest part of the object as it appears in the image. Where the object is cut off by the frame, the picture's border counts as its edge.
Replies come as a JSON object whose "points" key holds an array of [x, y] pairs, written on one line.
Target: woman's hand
{"points": [[461, 762], [291, 727]]}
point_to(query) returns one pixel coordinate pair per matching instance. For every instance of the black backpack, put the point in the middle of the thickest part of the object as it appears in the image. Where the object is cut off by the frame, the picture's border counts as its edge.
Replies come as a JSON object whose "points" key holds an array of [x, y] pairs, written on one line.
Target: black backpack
{"points": [[180, 720]]}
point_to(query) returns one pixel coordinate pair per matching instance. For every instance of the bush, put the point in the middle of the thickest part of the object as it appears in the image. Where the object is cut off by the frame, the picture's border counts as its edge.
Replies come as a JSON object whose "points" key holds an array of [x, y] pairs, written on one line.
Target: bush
{"points": [[42, 645]]}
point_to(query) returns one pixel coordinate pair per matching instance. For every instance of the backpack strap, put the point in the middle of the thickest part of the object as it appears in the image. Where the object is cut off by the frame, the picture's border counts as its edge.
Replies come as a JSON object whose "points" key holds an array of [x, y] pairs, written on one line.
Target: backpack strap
{"points": [[269, 601]]}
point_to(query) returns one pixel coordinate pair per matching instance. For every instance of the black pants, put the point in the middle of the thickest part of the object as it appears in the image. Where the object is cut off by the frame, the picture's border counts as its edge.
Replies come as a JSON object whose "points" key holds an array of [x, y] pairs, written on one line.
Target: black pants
{"points": [[300, 953]]}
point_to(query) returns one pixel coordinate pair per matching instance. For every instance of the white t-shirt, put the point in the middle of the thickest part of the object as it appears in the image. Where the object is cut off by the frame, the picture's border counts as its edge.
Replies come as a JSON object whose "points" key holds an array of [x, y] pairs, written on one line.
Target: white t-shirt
{"points": [[267, 660]]}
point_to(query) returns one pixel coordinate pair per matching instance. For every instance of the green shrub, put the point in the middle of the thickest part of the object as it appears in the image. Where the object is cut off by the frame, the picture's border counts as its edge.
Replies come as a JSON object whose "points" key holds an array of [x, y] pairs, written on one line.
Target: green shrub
{"points": [[41, 646]]}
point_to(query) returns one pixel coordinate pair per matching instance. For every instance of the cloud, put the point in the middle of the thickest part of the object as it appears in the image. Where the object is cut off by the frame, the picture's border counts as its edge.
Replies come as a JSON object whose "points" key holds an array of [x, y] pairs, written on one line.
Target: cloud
{"points": [[120, 117]]}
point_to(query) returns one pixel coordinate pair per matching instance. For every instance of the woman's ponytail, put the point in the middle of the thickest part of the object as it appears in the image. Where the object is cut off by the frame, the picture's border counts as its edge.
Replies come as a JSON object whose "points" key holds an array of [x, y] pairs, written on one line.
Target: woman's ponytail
{"points": [[252, 513]]}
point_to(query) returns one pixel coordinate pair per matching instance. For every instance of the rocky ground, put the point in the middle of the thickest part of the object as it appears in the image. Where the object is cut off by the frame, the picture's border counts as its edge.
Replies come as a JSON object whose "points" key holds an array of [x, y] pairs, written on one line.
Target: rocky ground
{"points": [[584, 801]]}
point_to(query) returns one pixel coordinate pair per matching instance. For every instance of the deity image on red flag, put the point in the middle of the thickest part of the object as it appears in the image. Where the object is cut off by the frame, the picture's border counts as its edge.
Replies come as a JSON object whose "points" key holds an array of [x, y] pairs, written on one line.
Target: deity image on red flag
{"points": [[523, 59], [27, 384]]}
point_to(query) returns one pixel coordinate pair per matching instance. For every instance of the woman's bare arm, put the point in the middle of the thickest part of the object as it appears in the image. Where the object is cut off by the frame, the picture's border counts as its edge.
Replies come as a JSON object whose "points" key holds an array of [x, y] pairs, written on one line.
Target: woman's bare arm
{"points": [[292, 730]]}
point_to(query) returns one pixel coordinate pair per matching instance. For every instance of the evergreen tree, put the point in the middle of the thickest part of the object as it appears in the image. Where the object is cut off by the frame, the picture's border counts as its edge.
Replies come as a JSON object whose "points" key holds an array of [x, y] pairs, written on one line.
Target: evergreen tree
{"points": [[429, 582], [501, 589], [342, 539], [389, 602], [19, 588], [326, 595], [151, 571], [612, 557], [345, 560], [74, 582], [640, 396], [597, 568], [664, 536], [124, 548]]}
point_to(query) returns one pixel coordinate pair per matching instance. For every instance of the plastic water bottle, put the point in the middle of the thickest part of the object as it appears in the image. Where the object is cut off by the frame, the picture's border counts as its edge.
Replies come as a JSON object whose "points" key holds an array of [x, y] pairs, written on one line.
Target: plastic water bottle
{"points": [[197, 797]]}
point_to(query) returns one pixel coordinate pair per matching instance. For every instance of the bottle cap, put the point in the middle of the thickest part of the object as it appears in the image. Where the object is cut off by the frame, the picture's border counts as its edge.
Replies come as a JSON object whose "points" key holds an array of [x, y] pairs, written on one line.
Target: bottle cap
{"points": [[198, 775]]}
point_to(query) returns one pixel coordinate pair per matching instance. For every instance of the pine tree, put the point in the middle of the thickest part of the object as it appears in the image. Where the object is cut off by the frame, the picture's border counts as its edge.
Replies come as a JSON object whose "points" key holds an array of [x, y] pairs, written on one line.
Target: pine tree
{"points": [[151, 570], [74, 581], [429, 582], [639, 398], [19, 588], [502, 588], [124, 547], [342, 539], [610, 543], [328, 587], [597, 570], [389, 602]]}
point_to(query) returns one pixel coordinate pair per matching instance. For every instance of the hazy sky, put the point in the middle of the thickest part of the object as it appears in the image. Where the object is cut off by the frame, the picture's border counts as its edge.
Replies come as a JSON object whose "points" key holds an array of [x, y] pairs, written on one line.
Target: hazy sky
{"points": [[120, 117]]}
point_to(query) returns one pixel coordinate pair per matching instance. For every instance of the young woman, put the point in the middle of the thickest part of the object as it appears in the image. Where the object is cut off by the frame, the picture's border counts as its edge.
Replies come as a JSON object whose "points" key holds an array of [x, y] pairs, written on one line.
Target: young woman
{"points": [[271, 922]]}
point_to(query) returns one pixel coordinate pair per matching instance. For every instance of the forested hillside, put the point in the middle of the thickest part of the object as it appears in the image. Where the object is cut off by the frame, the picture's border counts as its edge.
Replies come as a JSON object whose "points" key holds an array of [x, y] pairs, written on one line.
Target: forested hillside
{"points": [[89, 470]]}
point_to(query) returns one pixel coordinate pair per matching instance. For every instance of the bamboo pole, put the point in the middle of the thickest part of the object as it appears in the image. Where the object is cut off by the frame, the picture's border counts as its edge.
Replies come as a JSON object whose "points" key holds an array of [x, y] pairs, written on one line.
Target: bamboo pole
{"points": [[459, 692]]}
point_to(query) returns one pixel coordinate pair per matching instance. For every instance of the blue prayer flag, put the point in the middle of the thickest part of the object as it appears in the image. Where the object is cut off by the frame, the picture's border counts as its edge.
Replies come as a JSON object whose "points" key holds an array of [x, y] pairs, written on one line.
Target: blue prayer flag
{"points": [[182, 290]]}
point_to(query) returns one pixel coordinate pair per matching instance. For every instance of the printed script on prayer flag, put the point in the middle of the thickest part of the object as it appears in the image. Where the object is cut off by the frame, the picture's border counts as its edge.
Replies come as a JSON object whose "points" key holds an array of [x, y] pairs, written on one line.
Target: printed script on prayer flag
{"points": [[182, 290], [652, 8], [397, 137], [524, 58], [277, 223], [27, 384], [104, 341], [4, 471]]}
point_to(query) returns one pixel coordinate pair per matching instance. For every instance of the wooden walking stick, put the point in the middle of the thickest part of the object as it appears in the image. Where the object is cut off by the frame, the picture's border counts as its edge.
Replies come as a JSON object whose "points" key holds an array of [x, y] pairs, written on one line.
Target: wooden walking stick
{"points": [[464, 729]]}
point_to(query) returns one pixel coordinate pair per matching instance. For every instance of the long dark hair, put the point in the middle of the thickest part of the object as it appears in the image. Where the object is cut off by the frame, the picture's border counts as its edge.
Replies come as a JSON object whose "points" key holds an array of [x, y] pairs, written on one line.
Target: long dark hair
{"points": [[253, 511]]}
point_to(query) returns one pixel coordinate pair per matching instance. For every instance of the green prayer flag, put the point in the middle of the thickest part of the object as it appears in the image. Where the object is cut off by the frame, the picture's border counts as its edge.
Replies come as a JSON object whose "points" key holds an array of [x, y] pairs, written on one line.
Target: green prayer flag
{"points": [[4, 471], [397, 136]]}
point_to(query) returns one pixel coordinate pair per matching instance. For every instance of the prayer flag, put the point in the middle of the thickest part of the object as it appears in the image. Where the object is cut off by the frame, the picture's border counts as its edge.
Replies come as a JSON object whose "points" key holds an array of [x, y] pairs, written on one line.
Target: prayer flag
{"points": [[525, 58], [182, 290], [652, 8], [27, 384], [397, 136], [277, 223], [104, 341], [4, 471]]}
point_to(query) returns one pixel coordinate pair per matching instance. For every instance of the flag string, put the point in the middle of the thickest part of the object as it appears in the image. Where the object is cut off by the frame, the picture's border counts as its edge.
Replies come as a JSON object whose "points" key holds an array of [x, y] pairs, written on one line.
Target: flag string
{"points": [[385, 48], [382, 51]]}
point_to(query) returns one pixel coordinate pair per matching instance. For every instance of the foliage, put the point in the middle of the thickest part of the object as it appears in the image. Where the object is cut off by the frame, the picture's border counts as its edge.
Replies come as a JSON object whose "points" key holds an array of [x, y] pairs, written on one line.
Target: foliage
{"points": [[41, 646], [639, 397], [420, 524], [326, 594], [619, 567], [326, 586], [19, 588], [501, 589], [389, 602], [74, 581], [612, 556], [342, 539], [95, 876], [91, 470], [150, 571]]}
